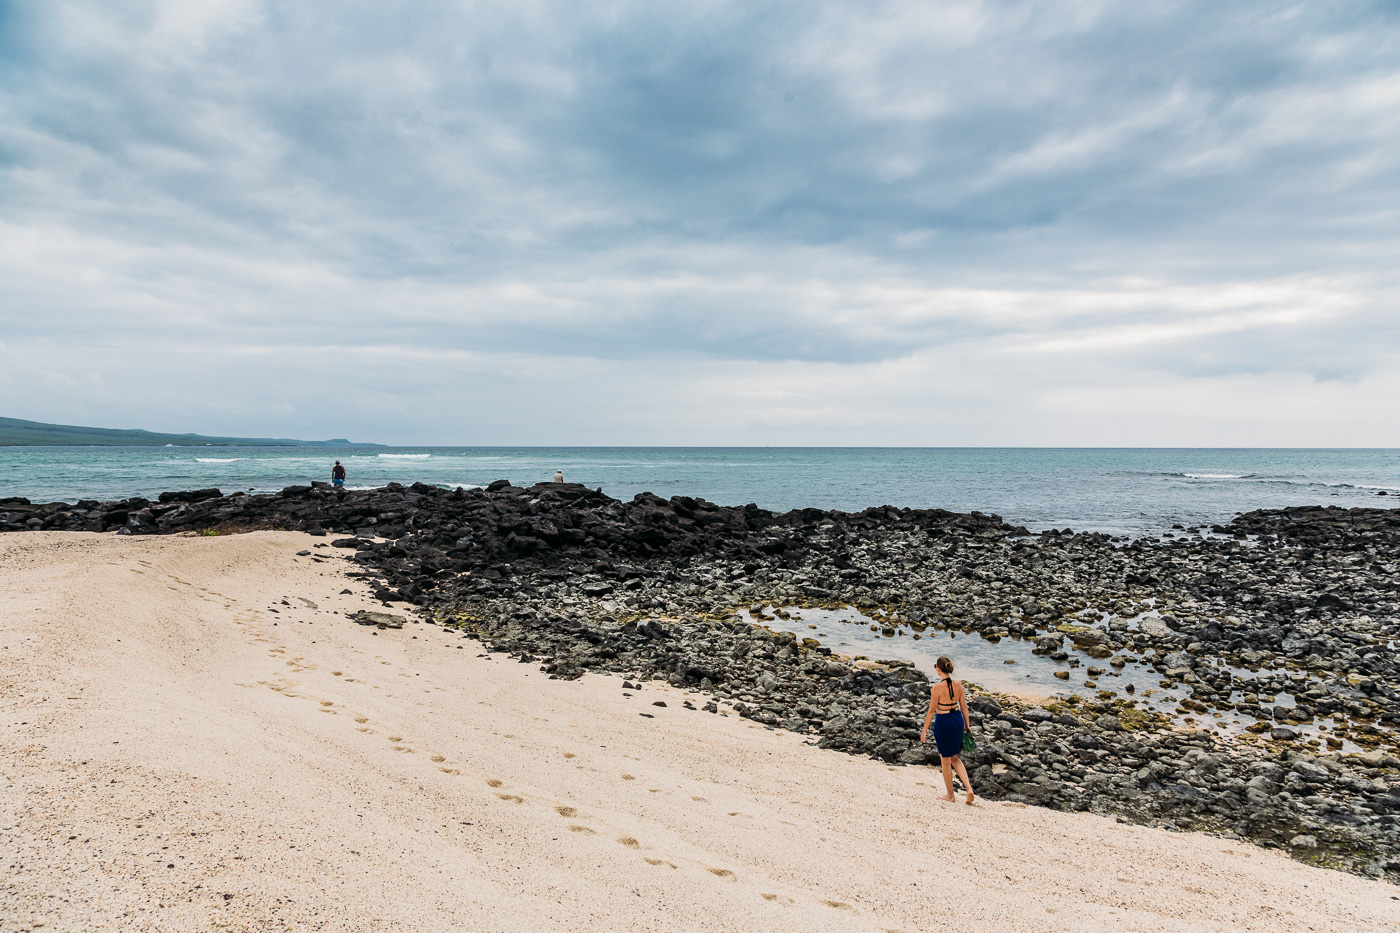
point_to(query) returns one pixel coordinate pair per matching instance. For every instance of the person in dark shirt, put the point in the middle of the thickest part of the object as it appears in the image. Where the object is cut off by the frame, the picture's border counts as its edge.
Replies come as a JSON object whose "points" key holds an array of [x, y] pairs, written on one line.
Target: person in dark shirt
{"points": [[337, 474]]}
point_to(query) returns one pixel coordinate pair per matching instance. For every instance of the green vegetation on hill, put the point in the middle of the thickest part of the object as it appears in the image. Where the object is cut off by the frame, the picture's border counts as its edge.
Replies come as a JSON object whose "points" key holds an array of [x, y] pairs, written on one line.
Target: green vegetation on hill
{"points": [[17, 433]]}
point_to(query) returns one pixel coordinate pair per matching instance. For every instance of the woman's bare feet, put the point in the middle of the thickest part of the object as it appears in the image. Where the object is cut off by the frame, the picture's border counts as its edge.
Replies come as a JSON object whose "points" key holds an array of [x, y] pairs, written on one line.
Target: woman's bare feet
{"points": [[971, 799], [947, 797]]}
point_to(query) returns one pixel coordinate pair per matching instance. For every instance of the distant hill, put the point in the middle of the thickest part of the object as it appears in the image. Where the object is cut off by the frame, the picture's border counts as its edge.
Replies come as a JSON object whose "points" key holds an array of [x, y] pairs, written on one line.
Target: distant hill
{"points": [[17, 433]]}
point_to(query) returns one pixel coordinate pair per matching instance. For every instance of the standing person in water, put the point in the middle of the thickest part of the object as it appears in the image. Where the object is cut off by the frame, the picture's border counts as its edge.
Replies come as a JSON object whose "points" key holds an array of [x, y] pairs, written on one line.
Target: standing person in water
{"points": [[337, 474], [947, 710]]}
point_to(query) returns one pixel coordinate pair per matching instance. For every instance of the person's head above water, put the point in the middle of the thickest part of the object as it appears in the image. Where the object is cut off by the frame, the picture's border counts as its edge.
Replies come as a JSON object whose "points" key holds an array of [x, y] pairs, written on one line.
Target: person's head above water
{"points": [[945, 665]]}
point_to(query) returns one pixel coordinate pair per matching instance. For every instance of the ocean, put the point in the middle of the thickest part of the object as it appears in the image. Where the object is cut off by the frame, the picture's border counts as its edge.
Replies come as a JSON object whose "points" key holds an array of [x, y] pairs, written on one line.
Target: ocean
{"points": [[1119, 491]]}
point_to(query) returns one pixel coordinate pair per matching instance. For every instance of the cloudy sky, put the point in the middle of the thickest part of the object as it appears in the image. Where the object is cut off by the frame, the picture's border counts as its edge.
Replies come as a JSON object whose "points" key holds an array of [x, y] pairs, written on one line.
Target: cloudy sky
{"points": [[925, 223]]}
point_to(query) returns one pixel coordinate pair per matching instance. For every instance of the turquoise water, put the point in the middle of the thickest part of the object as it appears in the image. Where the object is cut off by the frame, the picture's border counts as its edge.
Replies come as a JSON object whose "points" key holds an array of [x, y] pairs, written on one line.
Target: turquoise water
{"points": [[1129, 491]]}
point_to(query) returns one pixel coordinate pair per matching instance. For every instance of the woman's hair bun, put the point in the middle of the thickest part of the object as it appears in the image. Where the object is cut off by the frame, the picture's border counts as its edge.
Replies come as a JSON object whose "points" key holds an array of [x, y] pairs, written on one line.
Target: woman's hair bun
{"points": [[945, 665]]}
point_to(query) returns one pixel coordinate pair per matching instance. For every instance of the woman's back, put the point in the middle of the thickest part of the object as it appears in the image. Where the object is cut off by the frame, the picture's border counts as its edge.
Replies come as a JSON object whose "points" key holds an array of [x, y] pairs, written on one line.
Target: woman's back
{"points": [[951, 690]]}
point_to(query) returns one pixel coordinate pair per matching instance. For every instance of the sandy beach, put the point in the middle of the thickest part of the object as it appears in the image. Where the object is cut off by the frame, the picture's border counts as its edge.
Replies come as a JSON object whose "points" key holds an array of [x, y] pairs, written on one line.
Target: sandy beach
{"points": [[196, 737]]}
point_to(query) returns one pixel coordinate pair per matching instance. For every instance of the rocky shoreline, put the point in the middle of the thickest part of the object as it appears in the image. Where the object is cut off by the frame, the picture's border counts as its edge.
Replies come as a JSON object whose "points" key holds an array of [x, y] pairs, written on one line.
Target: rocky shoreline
{"points": [[1300, 602]]}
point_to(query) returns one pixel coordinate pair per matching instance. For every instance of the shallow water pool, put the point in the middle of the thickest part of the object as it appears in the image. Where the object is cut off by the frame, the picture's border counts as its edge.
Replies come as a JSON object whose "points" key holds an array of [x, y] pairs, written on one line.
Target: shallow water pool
{"points": [[1010, 666]]}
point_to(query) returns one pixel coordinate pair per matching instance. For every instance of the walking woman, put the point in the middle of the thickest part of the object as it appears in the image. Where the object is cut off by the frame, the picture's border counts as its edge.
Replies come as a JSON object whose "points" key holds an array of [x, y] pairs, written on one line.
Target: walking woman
{"points": [[947, 710]]}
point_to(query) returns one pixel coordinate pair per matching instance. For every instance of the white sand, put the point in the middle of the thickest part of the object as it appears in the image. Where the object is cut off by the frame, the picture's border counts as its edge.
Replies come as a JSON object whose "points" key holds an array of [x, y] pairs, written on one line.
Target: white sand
{"points": [[177, 757]]}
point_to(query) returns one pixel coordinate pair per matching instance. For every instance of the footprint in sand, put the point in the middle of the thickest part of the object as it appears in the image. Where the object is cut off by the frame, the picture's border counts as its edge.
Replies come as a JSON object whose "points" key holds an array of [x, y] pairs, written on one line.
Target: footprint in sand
{"points": [[658, 861], [838, 905], [629, 842], [581, 829], [492, 782], [511, 797], [449, 771], [567, 813], [720, 872], [437, 758]]}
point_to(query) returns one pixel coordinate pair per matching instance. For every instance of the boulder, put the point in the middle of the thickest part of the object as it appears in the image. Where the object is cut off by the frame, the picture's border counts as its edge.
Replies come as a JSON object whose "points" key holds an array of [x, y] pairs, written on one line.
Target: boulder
{"points": [[190, 495], [381, 619]]}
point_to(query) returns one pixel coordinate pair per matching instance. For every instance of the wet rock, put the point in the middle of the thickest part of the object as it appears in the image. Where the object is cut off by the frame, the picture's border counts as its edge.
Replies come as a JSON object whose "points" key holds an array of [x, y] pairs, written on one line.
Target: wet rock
{"points": [[192, 495], [1155, 628], [990, 707], [1179, 660]]}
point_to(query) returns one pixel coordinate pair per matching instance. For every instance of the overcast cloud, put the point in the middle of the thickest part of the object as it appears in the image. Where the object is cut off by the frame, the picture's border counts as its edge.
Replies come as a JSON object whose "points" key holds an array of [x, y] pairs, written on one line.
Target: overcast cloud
{"points": [[713, 223]]}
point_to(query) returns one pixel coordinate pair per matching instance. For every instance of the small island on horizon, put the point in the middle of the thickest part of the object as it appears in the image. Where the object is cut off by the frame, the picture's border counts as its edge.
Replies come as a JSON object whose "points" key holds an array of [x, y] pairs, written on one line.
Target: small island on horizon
{"points": [[15, 432]]}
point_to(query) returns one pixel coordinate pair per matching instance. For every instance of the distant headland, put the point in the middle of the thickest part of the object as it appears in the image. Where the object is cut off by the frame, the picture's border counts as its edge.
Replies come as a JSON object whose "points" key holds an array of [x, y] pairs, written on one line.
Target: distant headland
{"points": [[17, 433]]}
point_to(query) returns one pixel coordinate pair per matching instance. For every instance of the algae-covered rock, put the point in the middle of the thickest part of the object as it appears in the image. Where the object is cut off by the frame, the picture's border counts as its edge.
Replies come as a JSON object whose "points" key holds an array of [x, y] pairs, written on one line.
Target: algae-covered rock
{"points": [[381, 619]]}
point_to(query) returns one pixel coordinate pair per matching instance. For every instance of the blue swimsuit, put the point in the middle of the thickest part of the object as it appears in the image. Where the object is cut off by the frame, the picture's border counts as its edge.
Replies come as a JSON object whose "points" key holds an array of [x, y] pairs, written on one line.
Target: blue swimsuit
{"points": [[948, 726]]}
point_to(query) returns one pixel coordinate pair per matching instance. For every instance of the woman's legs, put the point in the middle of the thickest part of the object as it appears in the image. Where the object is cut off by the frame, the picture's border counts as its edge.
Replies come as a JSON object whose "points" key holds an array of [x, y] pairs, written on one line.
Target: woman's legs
{"points": [[948, 775], [962, 773]]}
